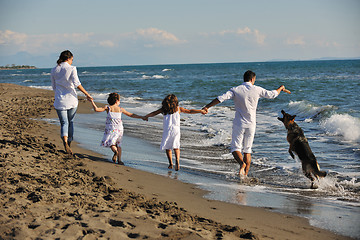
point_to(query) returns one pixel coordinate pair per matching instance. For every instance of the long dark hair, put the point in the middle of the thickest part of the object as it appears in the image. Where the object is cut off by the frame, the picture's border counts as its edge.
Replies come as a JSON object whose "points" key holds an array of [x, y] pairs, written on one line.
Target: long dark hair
{"points": [[170, 104], [64, 56]]}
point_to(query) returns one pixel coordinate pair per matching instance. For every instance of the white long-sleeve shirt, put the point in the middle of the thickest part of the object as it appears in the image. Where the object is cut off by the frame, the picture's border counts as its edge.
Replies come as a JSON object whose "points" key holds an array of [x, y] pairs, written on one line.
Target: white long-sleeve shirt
{"points": [[246, 97], [64, 81]]}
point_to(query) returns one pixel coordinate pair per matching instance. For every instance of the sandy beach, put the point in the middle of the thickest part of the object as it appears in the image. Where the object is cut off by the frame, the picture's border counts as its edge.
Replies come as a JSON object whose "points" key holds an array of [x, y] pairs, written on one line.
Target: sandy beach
{"points": [[47, 194]]}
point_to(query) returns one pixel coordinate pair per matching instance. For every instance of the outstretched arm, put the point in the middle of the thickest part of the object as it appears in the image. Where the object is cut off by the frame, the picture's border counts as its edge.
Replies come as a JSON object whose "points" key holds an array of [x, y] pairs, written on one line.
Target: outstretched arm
{"points": [[211, 104], [97, 109], [273, 93], [154, 113], [133, 115], [192, 111]]}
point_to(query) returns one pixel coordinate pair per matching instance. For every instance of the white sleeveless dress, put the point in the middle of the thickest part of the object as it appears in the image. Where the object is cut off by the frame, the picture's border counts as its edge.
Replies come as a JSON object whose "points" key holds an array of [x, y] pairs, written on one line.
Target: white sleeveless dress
{"points": [[171, 131], [113, 130]]}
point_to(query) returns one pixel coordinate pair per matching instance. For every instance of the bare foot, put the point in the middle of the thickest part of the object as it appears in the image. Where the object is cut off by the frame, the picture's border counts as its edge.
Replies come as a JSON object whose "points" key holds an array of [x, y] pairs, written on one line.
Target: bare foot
{"points": [[67, 148], [177, 167], [242, 172], [170, 166], [114, 158], [120, 162]]}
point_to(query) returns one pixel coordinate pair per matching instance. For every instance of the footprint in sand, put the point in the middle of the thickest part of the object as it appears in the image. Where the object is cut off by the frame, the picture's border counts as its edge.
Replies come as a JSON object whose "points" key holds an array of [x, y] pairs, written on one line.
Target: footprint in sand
{"points": [[133, 235], [119, 223], [162, 226], [34, 197]]}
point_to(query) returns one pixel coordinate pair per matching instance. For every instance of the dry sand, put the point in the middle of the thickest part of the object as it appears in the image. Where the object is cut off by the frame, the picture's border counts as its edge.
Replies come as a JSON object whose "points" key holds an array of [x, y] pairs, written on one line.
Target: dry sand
{"points": [[47, 194]]}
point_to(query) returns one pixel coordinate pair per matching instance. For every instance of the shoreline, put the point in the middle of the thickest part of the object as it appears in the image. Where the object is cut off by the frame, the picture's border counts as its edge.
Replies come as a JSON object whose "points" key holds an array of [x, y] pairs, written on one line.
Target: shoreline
{"points": [[92, 196]]}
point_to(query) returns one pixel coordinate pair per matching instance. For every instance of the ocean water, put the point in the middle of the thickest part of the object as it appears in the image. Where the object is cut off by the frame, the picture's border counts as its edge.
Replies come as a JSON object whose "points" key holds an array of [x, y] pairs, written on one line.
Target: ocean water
{"points": [[325, 98]]}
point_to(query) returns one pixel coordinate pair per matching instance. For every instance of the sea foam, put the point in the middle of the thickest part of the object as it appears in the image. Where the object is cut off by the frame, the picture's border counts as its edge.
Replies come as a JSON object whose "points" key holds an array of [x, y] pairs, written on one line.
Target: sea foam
{"points": [[343, 125], [153, 77], [42, 87]]}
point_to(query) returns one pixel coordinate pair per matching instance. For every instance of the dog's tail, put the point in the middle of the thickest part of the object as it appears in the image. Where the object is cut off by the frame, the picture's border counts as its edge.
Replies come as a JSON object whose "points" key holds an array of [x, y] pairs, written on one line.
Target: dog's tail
{"points": [[320, 173]]}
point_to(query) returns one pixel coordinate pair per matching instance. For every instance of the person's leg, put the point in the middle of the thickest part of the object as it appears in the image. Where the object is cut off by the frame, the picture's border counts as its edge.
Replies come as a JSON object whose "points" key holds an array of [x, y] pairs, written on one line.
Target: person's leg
{"points": [[71, 115], [247, 160], [248, 142], [118, 147], [239, 158], [169, 156], [236, 147], [115, 151], [119, 156], [64, 127], [177, 157]]}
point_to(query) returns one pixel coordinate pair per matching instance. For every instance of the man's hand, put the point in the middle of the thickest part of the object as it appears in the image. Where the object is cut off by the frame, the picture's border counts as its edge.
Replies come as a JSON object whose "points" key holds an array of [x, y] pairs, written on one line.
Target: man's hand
{"points": [[204, 110]]}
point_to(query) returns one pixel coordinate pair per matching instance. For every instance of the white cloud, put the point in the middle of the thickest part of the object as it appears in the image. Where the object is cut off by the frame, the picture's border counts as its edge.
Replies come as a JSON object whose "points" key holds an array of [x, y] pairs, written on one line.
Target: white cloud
{"points": [[238, 31], [10, 37], [246, 32], [260, 38], [77, 38], [296, 41], [13, 42], [154, 35], [107, 43], [35, 43]]}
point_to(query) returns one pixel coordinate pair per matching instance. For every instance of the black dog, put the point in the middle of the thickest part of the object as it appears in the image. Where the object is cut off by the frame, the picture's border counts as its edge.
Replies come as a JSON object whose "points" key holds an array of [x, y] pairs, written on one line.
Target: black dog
{"points": [[299, 145]]}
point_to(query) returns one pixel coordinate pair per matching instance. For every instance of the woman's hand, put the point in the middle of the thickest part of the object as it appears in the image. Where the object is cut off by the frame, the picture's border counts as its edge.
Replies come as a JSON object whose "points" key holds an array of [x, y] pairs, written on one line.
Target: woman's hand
{"points": [[89, 98]]}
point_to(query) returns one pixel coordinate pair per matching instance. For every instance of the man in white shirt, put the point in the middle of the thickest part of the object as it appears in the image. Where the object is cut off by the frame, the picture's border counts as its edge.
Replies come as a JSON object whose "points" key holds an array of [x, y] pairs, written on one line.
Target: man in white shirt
{"points": [[246, 97]]}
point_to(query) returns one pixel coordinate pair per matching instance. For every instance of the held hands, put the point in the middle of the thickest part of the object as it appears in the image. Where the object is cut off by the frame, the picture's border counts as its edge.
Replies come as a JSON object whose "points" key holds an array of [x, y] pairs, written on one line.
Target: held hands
{"points": [[204, 110], [89, 98]]}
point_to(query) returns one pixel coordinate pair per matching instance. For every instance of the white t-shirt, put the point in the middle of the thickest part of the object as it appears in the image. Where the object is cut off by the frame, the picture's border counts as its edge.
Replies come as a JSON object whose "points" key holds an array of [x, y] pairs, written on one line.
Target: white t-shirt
{"points": [[246, 97], [64, 81]]}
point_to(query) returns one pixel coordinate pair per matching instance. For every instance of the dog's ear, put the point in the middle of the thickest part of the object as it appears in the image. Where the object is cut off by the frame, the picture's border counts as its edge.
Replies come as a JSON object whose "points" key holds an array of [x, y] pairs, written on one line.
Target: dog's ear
{"points": [[281, 119], [292, 117]]}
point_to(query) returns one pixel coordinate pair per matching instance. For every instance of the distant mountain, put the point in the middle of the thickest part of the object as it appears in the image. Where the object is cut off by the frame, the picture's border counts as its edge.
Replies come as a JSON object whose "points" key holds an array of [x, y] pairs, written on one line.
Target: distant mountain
{"points": [[313, 59], [25, 58], [336, 58]]}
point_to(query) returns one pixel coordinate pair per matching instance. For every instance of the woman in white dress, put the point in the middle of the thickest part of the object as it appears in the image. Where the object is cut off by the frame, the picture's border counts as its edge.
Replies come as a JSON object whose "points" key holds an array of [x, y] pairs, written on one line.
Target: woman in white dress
{"points": [[65, 81], [114, 128], [171, 127]]}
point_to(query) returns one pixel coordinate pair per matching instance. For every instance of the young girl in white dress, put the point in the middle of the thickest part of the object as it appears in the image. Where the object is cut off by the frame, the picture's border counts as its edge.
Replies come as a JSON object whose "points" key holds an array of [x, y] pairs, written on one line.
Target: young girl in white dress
{"points": [[114, 128], [171, 127]]}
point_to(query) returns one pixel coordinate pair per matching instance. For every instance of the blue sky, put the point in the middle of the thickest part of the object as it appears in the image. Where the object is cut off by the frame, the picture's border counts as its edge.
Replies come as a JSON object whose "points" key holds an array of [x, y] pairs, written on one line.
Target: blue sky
{"points": [[137, 32]]}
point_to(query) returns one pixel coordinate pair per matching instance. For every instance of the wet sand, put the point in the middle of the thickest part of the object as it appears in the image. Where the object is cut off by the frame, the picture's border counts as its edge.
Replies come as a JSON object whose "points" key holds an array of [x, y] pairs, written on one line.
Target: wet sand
{"points": [[47, 194]]}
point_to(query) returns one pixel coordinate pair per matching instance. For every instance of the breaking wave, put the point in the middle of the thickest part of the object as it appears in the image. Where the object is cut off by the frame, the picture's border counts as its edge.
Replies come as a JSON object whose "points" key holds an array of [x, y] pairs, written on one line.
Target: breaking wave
{"points": [[342, 125], [307, 111]]}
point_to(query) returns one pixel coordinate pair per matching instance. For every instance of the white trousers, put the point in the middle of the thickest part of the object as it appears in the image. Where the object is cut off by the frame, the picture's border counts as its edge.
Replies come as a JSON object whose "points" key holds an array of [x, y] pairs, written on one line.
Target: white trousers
{"points": [[242, 139]]}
